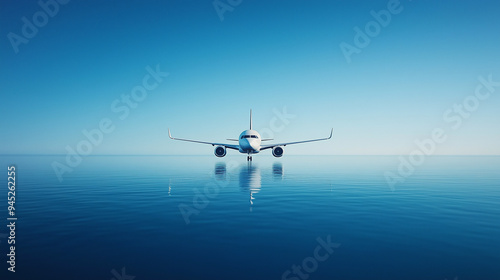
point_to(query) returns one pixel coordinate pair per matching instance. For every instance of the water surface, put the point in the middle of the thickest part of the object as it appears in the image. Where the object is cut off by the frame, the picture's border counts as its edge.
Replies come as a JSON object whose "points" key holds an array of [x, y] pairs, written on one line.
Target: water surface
{"points": [[201, 217]]}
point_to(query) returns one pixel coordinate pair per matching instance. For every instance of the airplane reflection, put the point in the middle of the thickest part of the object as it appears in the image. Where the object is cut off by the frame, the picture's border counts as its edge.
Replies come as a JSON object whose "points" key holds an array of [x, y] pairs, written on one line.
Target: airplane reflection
{"points": [[250, 180], [278, 171], [220, 171], [250, 177]]}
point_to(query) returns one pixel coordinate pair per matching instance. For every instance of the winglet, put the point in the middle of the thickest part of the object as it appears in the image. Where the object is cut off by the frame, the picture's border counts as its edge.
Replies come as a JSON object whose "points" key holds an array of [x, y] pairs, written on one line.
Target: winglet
{"points": [[169, 135], [331, 133]]}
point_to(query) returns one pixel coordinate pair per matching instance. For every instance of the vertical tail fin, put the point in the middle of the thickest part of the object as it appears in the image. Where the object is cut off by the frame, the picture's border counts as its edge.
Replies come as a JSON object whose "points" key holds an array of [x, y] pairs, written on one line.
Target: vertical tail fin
{"points": [[250, 119]]}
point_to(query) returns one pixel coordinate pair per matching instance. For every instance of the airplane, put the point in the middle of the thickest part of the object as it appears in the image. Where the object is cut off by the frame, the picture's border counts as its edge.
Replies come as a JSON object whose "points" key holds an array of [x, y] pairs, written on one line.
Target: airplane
{"points": [[249, 143]]}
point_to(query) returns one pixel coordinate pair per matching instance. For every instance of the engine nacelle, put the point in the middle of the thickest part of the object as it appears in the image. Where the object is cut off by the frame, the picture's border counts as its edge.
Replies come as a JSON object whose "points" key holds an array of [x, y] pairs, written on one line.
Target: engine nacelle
{"points": [[277, 151], [220, 151]]}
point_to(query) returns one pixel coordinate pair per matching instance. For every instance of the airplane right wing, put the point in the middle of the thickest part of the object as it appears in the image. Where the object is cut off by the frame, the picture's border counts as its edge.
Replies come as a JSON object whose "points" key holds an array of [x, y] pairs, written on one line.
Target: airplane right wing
{"points": [[264, 147], [229, 146]]}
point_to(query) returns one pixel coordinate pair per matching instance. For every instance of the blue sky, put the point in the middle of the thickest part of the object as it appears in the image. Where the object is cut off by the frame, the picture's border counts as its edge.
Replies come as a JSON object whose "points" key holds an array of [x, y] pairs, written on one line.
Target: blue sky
{"points": [[265, 56]]}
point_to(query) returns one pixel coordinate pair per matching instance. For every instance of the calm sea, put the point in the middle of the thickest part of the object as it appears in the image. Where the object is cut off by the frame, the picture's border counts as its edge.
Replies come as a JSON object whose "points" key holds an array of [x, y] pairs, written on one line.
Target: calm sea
{"points": [[298, 217]]}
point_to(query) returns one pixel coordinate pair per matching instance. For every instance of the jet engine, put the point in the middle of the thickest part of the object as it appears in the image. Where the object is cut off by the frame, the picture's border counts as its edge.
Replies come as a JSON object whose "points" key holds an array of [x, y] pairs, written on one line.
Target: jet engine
{"points": [[220, 151], [277, 151]]}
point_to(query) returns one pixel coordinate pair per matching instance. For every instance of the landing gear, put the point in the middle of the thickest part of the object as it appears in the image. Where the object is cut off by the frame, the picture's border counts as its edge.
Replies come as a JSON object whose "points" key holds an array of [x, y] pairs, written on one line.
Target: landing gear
{"points": [[249, 158]]}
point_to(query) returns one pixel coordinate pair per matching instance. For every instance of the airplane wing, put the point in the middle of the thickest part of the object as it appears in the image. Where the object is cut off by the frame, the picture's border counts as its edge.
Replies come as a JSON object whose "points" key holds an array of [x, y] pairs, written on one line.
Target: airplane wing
{"points": [[229, 146], [264, 147]]}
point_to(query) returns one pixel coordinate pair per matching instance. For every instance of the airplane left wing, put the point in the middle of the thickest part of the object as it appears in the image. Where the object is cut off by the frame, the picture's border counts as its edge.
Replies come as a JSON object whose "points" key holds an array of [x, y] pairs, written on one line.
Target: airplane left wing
{"points": [[229, 146], [264, 147]]}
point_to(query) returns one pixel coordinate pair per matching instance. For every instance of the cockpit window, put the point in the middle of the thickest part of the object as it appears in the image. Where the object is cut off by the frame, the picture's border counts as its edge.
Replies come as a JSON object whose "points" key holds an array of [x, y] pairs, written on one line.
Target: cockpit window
{"points": [[249, 136]]}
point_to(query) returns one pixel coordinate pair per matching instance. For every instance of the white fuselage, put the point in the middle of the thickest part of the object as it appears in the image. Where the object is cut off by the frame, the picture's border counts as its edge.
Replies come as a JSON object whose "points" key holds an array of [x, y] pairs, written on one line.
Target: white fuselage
{"points": [[249, 142]]}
